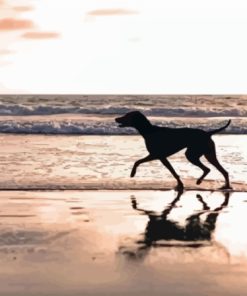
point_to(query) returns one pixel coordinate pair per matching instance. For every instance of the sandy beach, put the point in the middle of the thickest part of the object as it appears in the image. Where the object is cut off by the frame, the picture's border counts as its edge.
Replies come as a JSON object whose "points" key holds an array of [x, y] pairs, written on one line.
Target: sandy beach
{"points": [[72, 222], [96, 243]]}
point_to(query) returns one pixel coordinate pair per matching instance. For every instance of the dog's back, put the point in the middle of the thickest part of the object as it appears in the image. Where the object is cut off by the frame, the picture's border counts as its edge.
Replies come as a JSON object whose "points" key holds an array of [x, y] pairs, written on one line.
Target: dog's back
{"points": [[164, 141]]}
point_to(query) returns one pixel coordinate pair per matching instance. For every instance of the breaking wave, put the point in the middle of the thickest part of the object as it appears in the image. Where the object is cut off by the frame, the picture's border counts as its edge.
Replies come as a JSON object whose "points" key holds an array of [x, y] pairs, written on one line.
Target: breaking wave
{"points": [[20, 110], [103, 127]]}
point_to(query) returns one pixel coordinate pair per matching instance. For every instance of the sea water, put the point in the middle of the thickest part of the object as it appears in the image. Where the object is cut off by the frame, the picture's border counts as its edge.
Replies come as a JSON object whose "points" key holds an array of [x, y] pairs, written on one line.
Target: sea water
{"points": [[94, 114]]}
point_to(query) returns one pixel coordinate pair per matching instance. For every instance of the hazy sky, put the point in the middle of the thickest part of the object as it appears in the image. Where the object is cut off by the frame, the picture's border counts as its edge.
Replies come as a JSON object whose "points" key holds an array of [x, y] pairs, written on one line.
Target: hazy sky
{"points": [[123, 46]]}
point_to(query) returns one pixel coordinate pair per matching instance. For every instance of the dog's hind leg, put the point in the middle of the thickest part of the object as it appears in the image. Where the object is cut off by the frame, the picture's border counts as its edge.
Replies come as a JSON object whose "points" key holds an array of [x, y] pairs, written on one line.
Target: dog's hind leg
{"points": [[167, 164], [212, 158], [194, 157], [138, 162]]}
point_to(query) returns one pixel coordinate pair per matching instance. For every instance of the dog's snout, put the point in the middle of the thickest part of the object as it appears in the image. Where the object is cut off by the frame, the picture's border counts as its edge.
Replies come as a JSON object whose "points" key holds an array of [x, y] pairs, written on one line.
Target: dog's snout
{"points": [[121, 121]]}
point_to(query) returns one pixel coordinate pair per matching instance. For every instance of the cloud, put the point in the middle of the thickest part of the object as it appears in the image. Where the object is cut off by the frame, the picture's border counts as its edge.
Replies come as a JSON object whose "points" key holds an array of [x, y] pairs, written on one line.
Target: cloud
{"points": [[40, 35], [22, 8], [111, 12], [11, 24], [134, 39], [5, 51]]}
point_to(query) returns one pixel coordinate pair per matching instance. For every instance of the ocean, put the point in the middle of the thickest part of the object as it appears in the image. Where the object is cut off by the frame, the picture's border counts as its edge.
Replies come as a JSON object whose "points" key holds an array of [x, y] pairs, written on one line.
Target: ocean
{"points": [[94, 114]]}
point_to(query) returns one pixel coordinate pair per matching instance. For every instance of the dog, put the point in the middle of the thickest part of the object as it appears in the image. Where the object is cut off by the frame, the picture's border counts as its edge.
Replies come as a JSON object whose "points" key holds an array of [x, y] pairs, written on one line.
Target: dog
{"points": [[162, 142]]}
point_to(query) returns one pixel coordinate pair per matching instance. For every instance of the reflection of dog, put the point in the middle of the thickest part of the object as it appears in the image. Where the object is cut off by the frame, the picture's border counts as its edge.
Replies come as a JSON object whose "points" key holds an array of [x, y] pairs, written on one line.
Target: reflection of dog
{"points": [[161, 231], [160, 227], [162, 142]]}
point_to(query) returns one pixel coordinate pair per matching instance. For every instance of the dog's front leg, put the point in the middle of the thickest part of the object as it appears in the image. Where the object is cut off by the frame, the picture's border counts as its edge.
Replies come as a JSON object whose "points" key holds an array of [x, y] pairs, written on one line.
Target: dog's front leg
{"points": [[167, 164], [138, 162]]}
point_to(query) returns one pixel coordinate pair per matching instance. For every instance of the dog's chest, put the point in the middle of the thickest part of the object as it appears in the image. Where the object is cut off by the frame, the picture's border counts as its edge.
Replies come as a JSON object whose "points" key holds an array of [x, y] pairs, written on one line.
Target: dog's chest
{"points": [[160, 145]]}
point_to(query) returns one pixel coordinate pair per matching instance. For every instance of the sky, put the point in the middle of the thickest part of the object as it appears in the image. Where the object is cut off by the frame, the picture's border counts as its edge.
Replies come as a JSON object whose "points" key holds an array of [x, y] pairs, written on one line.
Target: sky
{"points": [[123, 46]]}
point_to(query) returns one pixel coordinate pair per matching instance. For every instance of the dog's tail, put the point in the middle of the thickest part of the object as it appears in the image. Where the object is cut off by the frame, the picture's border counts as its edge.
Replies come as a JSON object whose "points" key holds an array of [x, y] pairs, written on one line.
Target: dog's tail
{"points": [[219, 129]]}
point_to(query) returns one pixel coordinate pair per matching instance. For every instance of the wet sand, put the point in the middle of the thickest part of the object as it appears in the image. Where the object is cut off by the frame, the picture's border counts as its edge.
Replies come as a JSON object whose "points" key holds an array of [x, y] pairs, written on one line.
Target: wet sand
{"points": [[123, 243], [105, 162]]}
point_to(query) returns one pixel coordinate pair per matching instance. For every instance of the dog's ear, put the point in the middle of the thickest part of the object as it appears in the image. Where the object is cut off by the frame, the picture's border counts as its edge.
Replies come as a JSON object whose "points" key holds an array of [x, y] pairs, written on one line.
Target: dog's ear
{"points": [[138, 113], [138, 116], [135, 114]]}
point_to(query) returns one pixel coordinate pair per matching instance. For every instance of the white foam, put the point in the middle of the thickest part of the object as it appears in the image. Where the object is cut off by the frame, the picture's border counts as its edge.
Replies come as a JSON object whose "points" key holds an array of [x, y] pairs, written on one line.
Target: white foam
{"points": [[20, 109], [106, 127]]}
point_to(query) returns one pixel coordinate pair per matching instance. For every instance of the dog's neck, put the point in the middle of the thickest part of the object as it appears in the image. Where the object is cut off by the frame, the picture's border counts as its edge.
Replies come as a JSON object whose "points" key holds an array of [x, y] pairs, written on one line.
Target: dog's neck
{"points": [[145, 128]]}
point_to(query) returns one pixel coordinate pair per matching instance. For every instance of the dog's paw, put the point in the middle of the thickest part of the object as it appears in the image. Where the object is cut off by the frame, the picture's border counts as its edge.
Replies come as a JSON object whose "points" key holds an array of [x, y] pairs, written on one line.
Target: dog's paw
{"points": [[132, 174], [226, 187], [179, 187], [199, 181], [134, 203]]}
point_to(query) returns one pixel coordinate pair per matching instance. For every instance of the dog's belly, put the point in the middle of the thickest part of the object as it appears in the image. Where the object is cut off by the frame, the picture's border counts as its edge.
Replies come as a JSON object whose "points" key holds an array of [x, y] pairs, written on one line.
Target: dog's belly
{"points": [[164, 149]]}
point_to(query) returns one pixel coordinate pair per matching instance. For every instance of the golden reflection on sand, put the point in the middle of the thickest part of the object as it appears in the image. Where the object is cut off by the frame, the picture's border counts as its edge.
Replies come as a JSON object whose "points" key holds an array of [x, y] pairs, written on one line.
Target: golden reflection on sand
{"points": [[120, 241]]}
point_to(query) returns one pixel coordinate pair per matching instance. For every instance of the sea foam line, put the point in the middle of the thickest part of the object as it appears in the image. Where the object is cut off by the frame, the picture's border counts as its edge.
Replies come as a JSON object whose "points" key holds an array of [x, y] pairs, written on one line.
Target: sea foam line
{"points": [[192, 111], [101, 127]]}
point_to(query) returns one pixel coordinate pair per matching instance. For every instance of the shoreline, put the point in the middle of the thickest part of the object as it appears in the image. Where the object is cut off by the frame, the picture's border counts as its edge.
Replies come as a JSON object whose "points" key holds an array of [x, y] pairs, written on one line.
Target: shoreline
{"points": [[120, 190], [96, 135], [127, 185]]}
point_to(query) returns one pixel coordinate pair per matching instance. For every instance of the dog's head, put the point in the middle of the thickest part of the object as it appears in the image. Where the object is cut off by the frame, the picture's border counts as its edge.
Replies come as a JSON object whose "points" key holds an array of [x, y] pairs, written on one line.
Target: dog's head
{"points": [[131, 119]]}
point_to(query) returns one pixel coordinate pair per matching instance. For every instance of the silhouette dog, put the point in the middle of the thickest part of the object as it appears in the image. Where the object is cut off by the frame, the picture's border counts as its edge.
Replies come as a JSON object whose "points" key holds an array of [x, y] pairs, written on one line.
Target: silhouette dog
{"points": [[161, 142]]}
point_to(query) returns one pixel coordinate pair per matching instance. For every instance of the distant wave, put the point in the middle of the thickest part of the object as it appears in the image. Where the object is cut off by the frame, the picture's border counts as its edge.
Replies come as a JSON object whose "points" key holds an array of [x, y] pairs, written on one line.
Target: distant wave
{"points": [[98, 128], [210, 111]]}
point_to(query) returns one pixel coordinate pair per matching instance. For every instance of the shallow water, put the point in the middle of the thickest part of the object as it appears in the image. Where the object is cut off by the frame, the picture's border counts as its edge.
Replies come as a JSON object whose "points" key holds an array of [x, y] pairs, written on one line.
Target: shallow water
{"points": [[123, 243], [105, 162]]}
